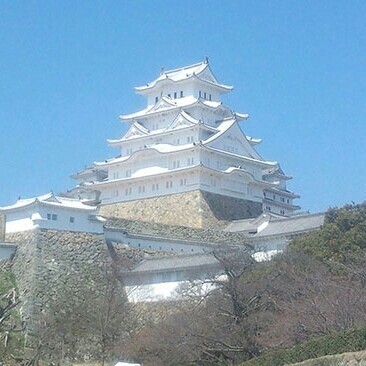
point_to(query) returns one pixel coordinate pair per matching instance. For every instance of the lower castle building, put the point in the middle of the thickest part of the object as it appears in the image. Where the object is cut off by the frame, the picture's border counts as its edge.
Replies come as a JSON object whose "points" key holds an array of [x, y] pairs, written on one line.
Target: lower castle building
{"points": [[53, 213], [186, 153]]}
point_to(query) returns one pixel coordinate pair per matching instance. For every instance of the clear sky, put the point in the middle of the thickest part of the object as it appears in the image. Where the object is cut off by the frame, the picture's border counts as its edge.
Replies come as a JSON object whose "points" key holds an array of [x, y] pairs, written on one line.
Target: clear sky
{"points": [[68, 68]]}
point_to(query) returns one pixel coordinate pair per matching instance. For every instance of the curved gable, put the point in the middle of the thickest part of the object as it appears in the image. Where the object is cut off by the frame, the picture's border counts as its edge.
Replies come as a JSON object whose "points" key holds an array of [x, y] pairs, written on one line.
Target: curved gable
{"points": [[231, 138], [136, 130], [163, 103], [182, 120]]}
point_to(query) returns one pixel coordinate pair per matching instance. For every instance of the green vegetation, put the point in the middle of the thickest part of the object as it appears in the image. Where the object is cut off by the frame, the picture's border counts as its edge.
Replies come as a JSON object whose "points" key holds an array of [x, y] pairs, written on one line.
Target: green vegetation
{"points": [[342, 238], [317, 347], [305, 303], [340, 245]]}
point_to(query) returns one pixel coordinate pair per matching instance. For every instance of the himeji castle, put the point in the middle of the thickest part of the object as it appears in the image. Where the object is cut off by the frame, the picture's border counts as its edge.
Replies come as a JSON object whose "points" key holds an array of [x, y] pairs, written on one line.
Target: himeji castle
{"points": [[188, 140]]}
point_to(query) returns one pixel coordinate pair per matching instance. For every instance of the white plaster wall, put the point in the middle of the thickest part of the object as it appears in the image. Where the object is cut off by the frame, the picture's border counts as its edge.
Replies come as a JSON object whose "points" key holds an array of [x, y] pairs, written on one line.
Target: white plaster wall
{"points": [[233, 185], [153, 243], [22, 220]]}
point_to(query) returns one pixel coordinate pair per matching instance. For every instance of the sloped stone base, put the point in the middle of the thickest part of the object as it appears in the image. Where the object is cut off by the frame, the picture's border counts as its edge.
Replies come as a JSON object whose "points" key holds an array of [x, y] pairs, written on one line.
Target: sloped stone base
{"points": [[197, 209]]}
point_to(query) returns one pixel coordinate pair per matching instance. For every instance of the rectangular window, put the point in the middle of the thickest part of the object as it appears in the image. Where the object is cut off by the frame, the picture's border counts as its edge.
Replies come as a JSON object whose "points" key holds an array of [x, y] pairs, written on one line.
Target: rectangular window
{"points": [[176, 164], [49, 216], [141, 189], [155, 186], [189, 139], [54, 217], [181, 93], [183, 182], [190, 161], [72, 219], [156, 99], [200, 94], [210, 97], [175, 95], [128, 173], [204, 95], [169, 184]]}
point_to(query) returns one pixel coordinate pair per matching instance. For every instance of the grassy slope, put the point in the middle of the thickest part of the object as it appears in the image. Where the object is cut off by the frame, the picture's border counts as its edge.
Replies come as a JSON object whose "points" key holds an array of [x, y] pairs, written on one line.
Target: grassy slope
{"points": [[328, 345]]}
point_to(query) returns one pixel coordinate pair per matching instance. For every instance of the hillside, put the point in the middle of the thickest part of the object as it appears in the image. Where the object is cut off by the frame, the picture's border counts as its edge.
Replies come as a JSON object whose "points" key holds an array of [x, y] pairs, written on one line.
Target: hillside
{"points": [[316, 288], [73, 305]]}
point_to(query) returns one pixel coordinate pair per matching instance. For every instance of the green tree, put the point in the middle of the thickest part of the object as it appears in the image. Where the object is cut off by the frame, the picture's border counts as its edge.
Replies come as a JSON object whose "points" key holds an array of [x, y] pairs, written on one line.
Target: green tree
{"points": [[342, 237]]}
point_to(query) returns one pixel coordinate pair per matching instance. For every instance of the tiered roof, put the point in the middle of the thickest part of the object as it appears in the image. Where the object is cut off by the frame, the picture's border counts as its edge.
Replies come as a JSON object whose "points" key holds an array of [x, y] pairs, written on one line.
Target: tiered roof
{"points": [[199, 72]]}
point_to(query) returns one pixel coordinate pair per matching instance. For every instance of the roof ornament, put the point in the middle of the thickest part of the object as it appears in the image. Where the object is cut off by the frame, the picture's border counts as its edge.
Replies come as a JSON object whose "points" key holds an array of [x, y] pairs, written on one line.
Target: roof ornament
{"points": [[162, 70], [206, 60]]}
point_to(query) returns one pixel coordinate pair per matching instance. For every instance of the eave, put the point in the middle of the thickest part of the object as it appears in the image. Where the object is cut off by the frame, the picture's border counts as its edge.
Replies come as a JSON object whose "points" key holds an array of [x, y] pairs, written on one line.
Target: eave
{"points": [[182, 75], [194, 124], [154, 148], [281, 204], [283, 192], [190, 103], [133, 178], [260, 163]]}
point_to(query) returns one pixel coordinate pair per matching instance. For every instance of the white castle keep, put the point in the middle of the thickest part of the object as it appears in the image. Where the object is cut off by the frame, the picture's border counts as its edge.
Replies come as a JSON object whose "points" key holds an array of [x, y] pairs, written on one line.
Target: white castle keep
{"points": [[186, 140]]}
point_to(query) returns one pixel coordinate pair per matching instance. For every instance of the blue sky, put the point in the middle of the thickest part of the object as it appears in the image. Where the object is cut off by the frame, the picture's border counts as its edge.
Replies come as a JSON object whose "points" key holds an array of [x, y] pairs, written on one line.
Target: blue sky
{"points": [[68, 68]]}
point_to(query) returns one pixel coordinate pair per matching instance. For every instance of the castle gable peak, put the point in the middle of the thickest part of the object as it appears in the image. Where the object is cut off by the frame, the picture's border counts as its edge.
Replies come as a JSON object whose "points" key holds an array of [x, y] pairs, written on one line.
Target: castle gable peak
{"points": [[136, 130], [183, 120]]}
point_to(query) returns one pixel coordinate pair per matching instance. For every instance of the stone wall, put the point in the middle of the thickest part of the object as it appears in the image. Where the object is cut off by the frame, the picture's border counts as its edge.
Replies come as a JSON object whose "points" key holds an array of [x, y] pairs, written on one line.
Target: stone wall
{"points": [[57, 268], [209, 237], [197, 209], [2, 227]]}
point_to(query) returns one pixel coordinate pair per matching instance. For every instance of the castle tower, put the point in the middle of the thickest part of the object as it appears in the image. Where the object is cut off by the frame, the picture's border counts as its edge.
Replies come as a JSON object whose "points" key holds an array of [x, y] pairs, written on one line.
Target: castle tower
{"points": [[186, 146]]}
